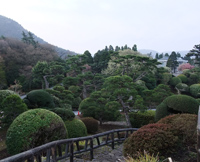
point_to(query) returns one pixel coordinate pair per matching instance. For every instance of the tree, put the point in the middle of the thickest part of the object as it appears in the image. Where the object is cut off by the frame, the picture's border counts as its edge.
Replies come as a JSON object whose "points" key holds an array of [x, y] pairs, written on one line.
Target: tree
{"points": [[122, 88], [3, 81], [88, 58], [111, 48], [156, 56], [172, 61], [196, 53], [131, 63], [185, 66], [134, 48], [99, 106]]}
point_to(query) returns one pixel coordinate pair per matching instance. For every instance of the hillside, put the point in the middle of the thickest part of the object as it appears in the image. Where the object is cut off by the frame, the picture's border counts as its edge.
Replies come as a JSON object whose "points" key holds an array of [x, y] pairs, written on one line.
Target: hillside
{"points": [[11, 28]]}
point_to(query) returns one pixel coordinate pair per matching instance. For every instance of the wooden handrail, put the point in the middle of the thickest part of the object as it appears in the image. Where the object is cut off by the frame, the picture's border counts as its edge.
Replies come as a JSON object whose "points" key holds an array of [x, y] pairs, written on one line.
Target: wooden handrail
{"points": [[61, 149]]}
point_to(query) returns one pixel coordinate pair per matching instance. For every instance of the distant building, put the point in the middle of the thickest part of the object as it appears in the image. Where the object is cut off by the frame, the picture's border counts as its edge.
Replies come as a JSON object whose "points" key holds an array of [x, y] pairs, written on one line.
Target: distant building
{"points": [[163, 61]]}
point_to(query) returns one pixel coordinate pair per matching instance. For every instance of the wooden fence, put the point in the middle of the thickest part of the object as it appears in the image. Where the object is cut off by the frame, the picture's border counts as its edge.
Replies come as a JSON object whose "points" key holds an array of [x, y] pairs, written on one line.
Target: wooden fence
{"points": [[68, 148]]}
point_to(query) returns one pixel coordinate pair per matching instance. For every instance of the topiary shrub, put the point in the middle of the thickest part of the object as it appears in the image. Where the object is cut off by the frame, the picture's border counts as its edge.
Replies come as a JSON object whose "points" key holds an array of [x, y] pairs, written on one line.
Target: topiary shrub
{"points": [[182, 87], [193, 78], [182, 104], [183, 78], [195, 90], [91, 124], [65, 114], [38, 99], [12, 106], [184, 126], [34, 128], [153, 140], [76, 128], [174, 81], [177, 104], [139, 119], [166, 78], [4, 94], [161, 111]]}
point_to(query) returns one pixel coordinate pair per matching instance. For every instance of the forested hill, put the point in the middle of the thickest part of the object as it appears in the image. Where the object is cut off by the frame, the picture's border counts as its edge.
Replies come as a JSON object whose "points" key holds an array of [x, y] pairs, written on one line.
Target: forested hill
{"points": [[10, 28]]}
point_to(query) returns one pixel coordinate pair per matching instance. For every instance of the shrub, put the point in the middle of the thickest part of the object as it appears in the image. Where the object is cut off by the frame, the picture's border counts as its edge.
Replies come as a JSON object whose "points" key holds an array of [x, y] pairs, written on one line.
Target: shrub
{"points": [[152, 140], [91, 124], [38, 99], [4, 94], [166, 78], [186, 72], [193, 79], [76, 102], [185, 66], [141, 83], [76, 128], [195, 90], [139, 119], [65, 114], [12, 106], [174, 81], [183, 78], [184, 126], [59, 88], [34, 128], [182, 87], [161, 111]]}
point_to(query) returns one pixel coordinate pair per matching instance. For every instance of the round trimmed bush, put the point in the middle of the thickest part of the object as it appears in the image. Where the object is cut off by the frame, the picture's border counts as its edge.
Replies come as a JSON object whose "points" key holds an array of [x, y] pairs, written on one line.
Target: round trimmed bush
{"points": [[195, 90], [65, 114], [91, 124], [183, 125], [174, 81], [177, 104], [182, 87], [38, 99], [193, 78], [166, 78], [161, 111], [4, 94], [183, 78], [76, 128], [34, 128], [12, 106], [152, 140]]}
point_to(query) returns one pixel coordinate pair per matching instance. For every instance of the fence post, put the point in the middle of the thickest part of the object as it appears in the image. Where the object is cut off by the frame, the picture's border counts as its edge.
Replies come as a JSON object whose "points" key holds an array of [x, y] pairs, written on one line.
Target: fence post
{"points": [[113, 142], [198, 137], [72, 151], [91, 149]]}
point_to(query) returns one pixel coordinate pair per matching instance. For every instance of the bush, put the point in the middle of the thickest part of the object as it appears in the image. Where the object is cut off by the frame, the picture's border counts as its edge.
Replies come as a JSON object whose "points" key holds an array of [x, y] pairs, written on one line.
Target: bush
{"points": [[12, 106], [161, 111], [174, 81], [183, 78], [4, 94], [65, 114], [195, 90], [76, 128], [91, 124], [139, 119], [182, 87], [193, 78], [34, 128], [152, 140], [38, 99], [184, 126], [166, 78]]}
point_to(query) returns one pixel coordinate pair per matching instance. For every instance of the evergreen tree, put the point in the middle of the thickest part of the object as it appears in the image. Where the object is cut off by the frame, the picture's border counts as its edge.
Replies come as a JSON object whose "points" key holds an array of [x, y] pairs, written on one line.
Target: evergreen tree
{"points": [[172, 61], [117, 48], [134, 48], [166, 55], [156, 56], [125, 47], [111, 48], [88, 58]]}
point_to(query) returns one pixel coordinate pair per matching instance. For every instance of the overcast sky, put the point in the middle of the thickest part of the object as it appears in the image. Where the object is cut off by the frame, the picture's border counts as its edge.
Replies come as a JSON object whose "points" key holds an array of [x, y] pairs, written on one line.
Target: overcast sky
{"points": [[79, 25]]}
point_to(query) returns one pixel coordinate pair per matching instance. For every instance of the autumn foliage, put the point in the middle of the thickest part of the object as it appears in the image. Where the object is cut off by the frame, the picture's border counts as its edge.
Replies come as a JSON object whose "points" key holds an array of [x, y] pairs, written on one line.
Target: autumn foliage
{"points": [[185, 66]]}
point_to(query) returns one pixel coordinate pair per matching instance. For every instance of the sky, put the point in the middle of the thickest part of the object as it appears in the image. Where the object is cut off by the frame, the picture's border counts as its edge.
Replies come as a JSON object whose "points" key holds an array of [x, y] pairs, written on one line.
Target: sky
{"points": [[80, 25]]}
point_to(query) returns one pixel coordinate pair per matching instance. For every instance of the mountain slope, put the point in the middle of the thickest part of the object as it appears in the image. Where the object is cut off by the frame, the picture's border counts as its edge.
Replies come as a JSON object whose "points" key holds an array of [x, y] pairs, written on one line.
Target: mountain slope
{"points": [[10, 28]]}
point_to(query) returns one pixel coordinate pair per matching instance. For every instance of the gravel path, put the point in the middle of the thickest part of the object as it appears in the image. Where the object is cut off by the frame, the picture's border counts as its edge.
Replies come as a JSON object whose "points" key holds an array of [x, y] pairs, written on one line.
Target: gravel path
{"points": [[103, 154]]}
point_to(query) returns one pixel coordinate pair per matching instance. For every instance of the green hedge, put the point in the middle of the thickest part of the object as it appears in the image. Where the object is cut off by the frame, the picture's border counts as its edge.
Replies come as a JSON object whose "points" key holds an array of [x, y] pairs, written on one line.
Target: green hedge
{"points": [[195, 90], [182, 87], [138, 119], [91, 124], [174, 81], [34, 128], [183, 78], [76, 128], [65, 114], [38, 99]]}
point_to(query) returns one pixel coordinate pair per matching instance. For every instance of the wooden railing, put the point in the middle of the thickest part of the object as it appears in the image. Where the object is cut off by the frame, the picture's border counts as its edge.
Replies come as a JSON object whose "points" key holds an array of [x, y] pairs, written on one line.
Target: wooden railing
{"points": [[198, 137], [68, 148]]}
